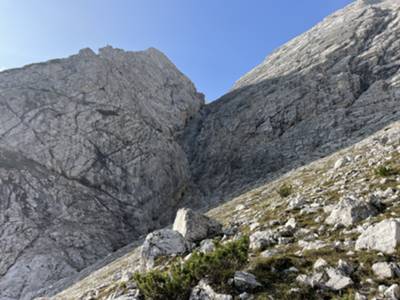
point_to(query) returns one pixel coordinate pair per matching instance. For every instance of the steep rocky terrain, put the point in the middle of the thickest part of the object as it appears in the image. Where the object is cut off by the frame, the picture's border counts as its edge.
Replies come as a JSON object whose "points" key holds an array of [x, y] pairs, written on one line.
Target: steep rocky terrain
{"points": [[98, 149], [88, 160], [307, 232], [321, 91]]}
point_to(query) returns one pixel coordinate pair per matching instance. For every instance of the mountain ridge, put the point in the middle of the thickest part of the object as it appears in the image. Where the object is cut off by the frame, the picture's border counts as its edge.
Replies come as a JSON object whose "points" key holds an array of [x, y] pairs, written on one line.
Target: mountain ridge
{"points": [[118, 141]]}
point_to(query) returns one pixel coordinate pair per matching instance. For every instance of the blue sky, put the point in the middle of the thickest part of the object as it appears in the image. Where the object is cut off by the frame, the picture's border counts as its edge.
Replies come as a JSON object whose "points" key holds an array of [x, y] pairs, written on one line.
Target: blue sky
{"points": [[214, 42]]}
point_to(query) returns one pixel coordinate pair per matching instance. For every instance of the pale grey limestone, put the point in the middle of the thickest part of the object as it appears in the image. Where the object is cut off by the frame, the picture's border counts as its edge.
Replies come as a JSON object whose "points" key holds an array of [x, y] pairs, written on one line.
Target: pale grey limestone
{"points": [[88, 160]]}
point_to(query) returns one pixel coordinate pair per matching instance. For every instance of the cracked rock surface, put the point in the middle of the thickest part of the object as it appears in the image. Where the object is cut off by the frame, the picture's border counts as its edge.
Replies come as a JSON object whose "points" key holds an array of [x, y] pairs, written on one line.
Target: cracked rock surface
{"points": [[88, 160], [98, 149], [323, 90]]}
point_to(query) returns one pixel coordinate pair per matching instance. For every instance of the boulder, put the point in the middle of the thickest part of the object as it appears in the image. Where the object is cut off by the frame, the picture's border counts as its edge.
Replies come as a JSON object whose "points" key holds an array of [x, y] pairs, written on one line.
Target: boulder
{"points": [[345, 267], [244, 281], [320, 263], [385, 270], [296, 202], [393, 292], [194, 226], [349, 211], [314, 280], [207, 246], [164, 242], [203, 291], [341, 162], [262, 239], [383, 236], [337, 281], [291, 224]]}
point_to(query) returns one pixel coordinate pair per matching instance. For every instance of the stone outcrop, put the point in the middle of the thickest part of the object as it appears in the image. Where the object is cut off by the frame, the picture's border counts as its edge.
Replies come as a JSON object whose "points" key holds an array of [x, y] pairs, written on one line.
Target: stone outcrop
{"points": [[88, 160]]}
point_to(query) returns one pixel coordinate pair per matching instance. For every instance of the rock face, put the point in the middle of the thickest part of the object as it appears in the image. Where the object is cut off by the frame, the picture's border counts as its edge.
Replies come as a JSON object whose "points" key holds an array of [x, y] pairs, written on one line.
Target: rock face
{"points": [[384, 236], [88, 160], [194, 226], [325, 89], [98, 149]]}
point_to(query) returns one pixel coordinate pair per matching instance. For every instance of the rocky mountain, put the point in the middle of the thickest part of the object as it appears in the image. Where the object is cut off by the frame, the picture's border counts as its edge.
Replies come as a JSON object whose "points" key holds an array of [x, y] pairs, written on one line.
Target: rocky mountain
{"points": [[321, 91], [98, 149], [88, 160], [328, 230]]}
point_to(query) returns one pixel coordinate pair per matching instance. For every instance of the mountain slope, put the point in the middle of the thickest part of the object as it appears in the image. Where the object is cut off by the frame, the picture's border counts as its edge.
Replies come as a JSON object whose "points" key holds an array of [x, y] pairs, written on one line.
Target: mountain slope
{"points": [[98, 149], [88, 160], [316, 190], [321, 91]]}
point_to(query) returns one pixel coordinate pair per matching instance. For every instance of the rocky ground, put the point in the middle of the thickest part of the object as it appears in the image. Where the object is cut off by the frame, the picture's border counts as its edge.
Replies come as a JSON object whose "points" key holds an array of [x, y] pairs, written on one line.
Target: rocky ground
{"points": [[327, 230], [100, 148]]}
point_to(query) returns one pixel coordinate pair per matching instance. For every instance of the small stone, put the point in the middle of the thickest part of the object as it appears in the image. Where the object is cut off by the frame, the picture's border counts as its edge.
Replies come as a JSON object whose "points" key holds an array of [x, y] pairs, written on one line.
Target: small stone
{"points": [[245, 281], [204, 291], [246, 296], [359, 296], [207, 246], [291, 224], [296, 202], [262, 239], [314, 280], [345, 267], [320, 264], [341, 162]]}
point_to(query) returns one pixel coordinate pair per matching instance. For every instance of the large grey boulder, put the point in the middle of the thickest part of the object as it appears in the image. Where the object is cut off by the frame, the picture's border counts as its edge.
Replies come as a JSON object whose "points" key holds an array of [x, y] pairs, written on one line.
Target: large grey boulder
{"points": [[164, 242], [383, 236], [349, 211], [385, 270], [204, 291], [337, 280], [195, 226], [259, 240]]}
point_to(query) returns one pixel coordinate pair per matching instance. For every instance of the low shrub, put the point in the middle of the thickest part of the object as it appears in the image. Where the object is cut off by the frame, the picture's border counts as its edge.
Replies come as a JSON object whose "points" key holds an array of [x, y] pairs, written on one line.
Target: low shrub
{"points": [[285, 190], [176, 282], [386, 171]]}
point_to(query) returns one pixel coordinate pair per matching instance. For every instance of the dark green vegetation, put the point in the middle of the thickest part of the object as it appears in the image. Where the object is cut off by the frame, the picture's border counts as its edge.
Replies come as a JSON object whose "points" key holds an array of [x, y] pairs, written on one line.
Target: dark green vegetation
{"points": [[285, 190], [176, 281], [386, 171]]}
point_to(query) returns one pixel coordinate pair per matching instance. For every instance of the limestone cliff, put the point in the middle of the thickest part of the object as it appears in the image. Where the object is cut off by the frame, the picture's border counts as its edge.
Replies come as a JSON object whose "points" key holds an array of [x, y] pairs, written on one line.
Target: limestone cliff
{"points": [[88, 160]]}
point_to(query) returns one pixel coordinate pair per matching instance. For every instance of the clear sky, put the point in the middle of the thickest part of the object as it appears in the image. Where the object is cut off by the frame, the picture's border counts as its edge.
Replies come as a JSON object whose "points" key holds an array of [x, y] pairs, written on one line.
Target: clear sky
{"points": [[214, 42]]}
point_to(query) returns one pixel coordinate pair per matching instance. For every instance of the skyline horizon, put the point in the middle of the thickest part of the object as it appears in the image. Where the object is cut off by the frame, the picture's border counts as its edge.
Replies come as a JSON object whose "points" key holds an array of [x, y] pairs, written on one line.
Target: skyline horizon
{"points": [[212, 69]]}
